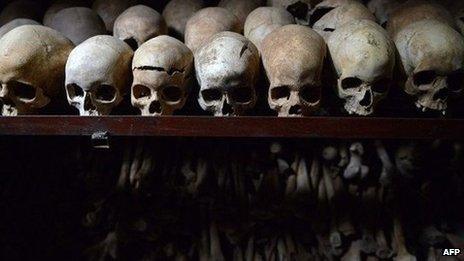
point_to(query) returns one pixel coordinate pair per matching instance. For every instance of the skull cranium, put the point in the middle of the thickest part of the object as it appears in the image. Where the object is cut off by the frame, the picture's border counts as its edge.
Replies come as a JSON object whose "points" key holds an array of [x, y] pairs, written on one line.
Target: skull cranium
{"points": [[32, 62], [240, 8], [161, 67], [293, 57], [227, 68], [139, 24], [432, 56], [109, 10], [78, 23], [328, 15], [412, 11], [98, 75], [206, 23], [16, 23], [177, 12], [364, 58], [263, 20]]}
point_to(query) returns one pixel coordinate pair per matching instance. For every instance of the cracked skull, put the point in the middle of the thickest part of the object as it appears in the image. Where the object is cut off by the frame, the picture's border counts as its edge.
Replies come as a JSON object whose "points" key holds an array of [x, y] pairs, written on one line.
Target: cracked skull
{"points": [[293, 57], [328, 15], [32, 61], [139, 24], [364, 57], [98, 75], [208, 22], [263, 20], [162, 68], [227, 68], [432, 56]]}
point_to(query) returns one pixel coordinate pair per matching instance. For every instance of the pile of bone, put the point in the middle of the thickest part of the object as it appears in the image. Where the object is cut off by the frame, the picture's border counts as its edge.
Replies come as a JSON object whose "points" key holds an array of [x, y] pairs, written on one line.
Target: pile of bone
{"points": [[353, 201], [98, 54]]}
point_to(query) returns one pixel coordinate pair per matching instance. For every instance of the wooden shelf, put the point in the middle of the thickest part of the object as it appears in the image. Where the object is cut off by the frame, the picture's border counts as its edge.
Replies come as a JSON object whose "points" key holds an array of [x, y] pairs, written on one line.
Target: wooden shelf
{"points": [[255, 127]]}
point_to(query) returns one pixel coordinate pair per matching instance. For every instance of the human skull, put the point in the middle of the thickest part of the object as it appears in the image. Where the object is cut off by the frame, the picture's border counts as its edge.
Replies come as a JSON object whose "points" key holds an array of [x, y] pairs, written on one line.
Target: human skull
{"points": [[382, 9], [16, 23], [416, 10], [409, 160], [208, 22], [109, 10], [240, 8], [98, 74], [364, 57], [177, 12], [20, 9], [32, 61], [78, 23], [59, 5], [432, 56], [162, 68], [293, 57], [263, 20], [227, 68], [139, 24], [328, 15], [300, 9]]}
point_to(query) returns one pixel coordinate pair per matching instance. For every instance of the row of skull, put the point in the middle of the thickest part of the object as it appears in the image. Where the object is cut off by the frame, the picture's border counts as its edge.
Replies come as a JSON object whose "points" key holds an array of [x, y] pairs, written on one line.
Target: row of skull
{"points": [[98, 70]]}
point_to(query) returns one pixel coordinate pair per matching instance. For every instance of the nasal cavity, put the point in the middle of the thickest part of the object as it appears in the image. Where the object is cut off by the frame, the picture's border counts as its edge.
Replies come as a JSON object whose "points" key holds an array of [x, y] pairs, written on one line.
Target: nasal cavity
{"points": [[88, 104], [227, 109], [295, 109], [441, 94], [155, 107], [367, 100]]}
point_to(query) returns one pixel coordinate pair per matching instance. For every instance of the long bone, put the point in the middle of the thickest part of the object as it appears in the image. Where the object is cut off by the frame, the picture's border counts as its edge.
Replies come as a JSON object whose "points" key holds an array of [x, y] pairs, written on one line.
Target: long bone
{"points": [[399, 242]]}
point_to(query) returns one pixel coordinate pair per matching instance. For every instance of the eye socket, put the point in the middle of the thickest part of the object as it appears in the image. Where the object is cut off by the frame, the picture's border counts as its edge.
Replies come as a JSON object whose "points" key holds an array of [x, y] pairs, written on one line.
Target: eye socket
{"points": [[310, 94], [351, 82], [211, 95], [23, 91], [455, 81], [424, 77], [281, 92], [381, 86], [105, 93], [74, 90], [241, 94], [141, 91], [171, 93]]}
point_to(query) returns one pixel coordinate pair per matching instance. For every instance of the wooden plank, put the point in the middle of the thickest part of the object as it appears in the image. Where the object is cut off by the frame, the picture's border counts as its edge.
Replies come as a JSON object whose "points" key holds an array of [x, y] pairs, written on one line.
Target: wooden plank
{"points": [[311, 127]]}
